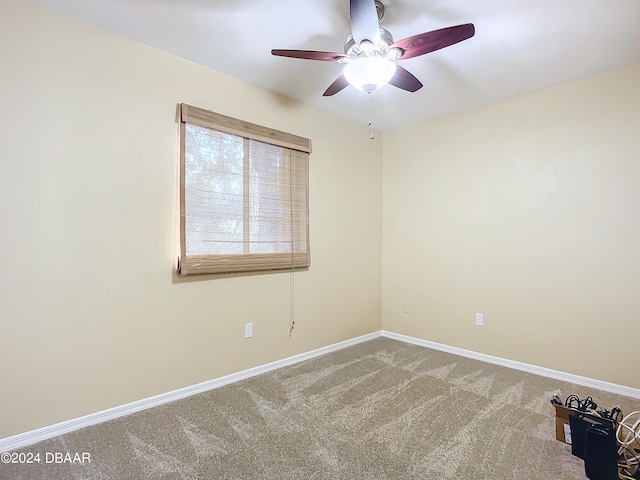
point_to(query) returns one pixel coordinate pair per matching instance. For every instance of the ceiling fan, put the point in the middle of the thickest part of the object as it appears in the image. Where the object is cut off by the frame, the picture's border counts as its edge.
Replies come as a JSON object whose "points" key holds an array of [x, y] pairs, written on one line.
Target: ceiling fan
{"points": [[370, 52]]}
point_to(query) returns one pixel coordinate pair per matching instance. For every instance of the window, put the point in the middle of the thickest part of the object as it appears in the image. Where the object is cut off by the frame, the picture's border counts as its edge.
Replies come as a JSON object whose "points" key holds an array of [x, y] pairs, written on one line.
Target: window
{"points": [[244, 203]]}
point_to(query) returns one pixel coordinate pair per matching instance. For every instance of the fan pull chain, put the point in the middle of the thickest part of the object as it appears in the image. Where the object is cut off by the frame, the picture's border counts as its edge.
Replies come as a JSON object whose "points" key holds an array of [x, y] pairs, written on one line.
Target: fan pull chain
{"points": [[370, 123]]}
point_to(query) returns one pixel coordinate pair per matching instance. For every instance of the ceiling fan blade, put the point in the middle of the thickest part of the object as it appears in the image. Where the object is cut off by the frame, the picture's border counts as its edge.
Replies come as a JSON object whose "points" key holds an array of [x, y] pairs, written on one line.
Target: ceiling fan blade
{"points": [[339, 84], [364, 21], [431, 41], [405, 80], [309, 55]]}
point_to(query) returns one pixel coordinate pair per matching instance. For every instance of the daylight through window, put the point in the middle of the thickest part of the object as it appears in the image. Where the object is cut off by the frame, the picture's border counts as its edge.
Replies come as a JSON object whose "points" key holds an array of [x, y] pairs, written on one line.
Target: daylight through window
{"points": [[243, 196]]}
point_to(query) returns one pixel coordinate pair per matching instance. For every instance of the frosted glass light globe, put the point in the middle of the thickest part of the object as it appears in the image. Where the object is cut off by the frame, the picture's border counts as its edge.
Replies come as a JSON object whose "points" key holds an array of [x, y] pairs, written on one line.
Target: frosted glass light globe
{"points": [[369, 73]]}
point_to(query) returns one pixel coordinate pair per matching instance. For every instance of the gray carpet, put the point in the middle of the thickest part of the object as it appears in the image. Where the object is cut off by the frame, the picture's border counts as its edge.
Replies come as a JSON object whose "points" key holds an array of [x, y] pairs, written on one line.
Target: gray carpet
{"points": [[378, 410]]}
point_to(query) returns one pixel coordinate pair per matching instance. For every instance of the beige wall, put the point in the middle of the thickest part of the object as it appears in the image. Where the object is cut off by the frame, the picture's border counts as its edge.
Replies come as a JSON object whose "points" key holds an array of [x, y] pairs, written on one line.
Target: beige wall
{"points": [[92, 314], [526, 211]]}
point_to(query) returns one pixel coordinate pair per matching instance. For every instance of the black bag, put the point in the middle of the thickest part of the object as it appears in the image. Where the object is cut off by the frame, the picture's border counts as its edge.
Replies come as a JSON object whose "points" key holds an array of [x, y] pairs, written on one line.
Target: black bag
{"points": [[593, 439], [601, 453]]}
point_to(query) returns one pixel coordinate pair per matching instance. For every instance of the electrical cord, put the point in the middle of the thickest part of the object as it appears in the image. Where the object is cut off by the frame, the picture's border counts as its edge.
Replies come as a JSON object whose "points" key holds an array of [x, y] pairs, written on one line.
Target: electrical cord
{"points": [[626, 471], [628, 465], [572, 401], [586, 405], [629, 446], [615, 414], [632, 432]]}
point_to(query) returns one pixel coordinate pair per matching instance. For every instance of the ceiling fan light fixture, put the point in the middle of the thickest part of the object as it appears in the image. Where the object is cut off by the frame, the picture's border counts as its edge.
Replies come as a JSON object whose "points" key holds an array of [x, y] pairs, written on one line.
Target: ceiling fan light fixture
{"points": [[369, 73], [367, 47], [370, 51], [393, 53]]}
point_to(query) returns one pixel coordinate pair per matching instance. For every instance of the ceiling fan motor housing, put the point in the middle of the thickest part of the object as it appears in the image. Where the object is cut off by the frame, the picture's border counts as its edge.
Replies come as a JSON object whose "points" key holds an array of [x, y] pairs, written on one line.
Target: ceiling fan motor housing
{"points": [[354, 51], [379, 9]]}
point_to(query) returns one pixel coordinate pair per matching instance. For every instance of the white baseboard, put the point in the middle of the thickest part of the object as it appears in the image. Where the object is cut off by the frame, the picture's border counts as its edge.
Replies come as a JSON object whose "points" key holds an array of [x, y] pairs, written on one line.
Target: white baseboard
{"points": [[29, 438], [545, 372]]}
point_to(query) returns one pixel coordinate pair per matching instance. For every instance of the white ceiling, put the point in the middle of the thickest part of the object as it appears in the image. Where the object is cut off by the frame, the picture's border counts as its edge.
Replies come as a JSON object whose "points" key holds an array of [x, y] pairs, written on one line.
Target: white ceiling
{"points": [[520, 46]]}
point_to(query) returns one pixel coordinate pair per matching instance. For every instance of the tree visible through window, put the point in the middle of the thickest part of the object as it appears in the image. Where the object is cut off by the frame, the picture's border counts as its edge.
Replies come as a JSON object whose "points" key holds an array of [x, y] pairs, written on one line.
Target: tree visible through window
{"points": [[243, 196]]}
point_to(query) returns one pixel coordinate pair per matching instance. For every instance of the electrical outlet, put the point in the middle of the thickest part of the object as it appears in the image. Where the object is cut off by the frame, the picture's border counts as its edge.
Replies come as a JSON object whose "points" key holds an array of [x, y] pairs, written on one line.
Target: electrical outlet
{"points": [[405, 307], [480, 319], [248, 330]]}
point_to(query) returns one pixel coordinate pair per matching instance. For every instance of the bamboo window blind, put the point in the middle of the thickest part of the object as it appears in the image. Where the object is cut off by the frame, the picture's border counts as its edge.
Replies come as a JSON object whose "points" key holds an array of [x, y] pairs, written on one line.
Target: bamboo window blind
{"points": [[244, 196]]}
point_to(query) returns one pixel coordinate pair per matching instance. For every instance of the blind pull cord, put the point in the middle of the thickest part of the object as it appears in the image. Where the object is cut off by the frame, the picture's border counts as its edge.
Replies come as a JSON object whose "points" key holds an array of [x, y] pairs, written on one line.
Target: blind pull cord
{"points": [[292, 320]]}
